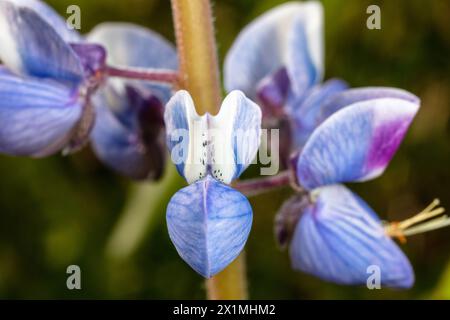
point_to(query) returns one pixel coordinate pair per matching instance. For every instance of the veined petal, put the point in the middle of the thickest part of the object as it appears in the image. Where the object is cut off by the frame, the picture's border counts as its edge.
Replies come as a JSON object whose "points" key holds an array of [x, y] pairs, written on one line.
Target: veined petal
{"points": [[355, 143], [37, 117], [339, 239], [130, 45], [30, 46], [290, 36], [130, 141], [51, 17], [222, 145], [209, 223]]}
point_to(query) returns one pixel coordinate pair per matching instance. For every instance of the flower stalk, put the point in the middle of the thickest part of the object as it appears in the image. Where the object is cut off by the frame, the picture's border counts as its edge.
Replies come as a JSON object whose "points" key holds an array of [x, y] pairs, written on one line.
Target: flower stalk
{"points": [[257, 186], [165, 76], [199, 74]]}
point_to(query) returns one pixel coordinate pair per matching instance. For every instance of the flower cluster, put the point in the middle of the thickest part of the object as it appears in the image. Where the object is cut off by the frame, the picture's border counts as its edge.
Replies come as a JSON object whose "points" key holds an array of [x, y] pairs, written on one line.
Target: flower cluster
{"points": [[60, 90], [334, 135]]}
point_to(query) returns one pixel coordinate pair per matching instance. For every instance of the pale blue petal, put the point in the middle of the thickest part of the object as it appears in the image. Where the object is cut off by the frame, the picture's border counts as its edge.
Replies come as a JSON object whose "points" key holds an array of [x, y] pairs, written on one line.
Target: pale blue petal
{"points": [[339, 237], [179, 116], [30, 46], [130, 45], [351, 96], [235, 136], [355, 143], [51, 17], [290, 36], [36, 116], [209, 224]]}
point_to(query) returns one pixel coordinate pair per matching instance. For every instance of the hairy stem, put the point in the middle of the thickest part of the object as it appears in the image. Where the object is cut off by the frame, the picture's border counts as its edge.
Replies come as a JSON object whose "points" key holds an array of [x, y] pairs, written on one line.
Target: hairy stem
{"points": [[199, 70], [199, 74], [254, 187], [165, 76]]}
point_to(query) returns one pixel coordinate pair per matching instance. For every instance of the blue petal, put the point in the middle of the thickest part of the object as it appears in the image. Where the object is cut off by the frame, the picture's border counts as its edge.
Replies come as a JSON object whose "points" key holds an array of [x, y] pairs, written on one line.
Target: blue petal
{"points": [[209, 223], [51, 17], [307, 111], [129, 45], [37, 117], [356, 143], [222, 145], [288, 36], [130, 141], [339, 237], [30, 46]]}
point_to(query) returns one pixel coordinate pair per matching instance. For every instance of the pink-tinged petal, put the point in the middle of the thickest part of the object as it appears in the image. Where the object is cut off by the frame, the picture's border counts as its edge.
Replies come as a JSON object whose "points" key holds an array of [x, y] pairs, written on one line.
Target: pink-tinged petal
{"points": [[355, 143], [340, 239], [37, 117]]}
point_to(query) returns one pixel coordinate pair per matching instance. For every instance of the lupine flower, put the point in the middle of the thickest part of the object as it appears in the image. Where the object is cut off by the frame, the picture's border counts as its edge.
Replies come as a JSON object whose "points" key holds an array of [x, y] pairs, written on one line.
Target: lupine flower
{"points": [[278, 60], [54, 84], [208, 221], [338, 135], [338, 236], [45, 90], [129, 134]]}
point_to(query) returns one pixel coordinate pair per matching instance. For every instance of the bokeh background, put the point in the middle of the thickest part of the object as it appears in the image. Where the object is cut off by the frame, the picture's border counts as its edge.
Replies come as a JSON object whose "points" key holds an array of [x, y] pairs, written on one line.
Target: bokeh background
{"points": [[60, 211]]}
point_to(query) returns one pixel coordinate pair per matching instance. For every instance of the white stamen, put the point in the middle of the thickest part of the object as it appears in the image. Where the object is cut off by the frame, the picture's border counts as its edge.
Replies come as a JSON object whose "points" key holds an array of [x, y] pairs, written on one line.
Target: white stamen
{"points": [[428, 219]]}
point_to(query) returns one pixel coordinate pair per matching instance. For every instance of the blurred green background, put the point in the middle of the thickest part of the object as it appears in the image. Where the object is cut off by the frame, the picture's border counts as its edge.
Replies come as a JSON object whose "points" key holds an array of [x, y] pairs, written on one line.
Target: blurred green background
{"points": [[64, 210]]}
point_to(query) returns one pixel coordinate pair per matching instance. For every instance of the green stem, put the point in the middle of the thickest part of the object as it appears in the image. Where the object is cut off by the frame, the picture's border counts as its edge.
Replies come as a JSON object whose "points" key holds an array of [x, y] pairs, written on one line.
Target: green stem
{"points": [[199, 74]]}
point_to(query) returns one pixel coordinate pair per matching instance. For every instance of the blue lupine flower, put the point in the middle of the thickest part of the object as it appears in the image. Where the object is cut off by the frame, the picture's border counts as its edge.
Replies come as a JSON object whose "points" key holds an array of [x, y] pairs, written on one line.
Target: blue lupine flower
{"points": [[53, 85], [208, 221], [129, 133], [45, 102], [340, 135], [278, 60], [338, 236]]}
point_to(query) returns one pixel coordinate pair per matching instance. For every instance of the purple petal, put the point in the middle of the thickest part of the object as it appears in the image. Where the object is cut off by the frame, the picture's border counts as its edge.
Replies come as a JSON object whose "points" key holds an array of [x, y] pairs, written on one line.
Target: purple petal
{"points": [[290, 36], [339, 239], [209, 223], [273, 91], [37, 117], [92, 58], [30, 46], [355, 143]]}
